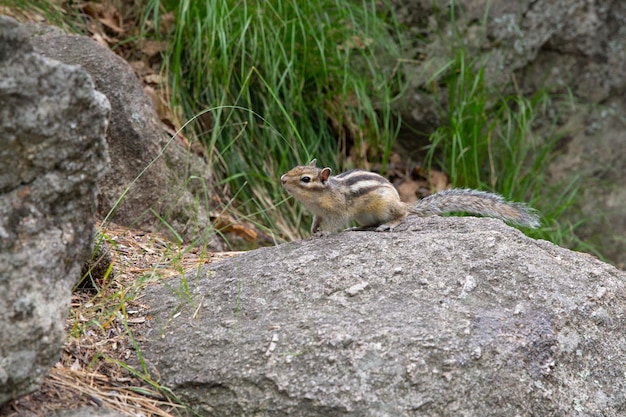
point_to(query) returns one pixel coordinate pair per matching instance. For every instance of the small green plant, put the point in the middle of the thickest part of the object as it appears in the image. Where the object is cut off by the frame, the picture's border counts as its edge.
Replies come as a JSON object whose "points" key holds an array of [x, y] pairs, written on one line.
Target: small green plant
{"points": [[493, 141], [288, 81], [101, 323]]}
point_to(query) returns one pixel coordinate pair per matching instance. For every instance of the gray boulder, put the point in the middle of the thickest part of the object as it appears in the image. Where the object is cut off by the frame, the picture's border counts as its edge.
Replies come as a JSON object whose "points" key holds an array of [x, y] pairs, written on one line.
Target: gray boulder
{"points": [[176, 183], [89, 412], [442, 317], [568, 46], [52, 153]]}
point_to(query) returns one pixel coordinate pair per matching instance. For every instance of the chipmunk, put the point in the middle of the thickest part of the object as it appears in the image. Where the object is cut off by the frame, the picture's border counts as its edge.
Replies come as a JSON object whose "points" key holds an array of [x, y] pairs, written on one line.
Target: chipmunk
{"points": [[373, 202]]}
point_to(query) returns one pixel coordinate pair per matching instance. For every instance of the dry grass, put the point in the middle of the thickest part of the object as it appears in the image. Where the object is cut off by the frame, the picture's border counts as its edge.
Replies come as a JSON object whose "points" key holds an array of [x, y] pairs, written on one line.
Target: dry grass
{"points": [[102, 327], [94, 368]]}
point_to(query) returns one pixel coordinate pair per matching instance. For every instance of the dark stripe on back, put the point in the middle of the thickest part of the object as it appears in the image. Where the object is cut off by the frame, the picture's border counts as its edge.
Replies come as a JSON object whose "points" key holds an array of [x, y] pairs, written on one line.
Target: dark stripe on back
{"points": [[360, 175], [363, 191], [343, 174]]}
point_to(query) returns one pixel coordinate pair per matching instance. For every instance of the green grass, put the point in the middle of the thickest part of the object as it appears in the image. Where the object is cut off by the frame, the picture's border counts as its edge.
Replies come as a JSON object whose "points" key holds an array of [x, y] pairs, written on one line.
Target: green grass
{"points": [[267, 85], [504, 143], [103, 315], [287, 81]]}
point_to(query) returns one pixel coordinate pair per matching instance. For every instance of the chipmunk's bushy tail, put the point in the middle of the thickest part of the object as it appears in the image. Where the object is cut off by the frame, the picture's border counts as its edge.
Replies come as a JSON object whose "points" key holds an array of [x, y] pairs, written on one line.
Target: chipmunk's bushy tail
{"points": [[476, 202]]}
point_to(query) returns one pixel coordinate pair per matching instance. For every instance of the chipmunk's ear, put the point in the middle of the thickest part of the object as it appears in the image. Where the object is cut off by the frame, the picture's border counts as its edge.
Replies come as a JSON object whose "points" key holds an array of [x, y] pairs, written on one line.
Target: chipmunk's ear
{"points": [[325, 174], [312, 163]]}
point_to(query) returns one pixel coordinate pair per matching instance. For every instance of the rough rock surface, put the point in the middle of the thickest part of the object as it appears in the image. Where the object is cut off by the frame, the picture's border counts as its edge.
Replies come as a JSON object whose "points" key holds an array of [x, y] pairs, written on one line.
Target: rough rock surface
{"points": [[83, 412], [579, 44], [90, 412], [136, 138], [444, 316], [53, 151]]}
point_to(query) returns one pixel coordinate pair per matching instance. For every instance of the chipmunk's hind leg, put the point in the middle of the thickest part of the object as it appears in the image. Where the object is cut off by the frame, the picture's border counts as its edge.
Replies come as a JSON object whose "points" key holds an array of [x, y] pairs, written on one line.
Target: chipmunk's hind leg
{"points": [[385, 227]]}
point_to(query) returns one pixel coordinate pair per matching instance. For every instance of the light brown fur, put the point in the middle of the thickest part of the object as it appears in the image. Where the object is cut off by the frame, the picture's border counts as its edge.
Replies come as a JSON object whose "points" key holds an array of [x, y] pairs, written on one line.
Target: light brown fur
{"points": [[372, 201]]}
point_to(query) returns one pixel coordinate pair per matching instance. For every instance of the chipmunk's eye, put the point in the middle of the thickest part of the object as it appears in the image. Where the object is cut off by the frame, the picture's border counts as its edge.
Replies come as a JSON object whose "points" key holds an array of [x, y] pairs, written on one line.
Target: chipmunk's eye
{"points": [[306, 179]]}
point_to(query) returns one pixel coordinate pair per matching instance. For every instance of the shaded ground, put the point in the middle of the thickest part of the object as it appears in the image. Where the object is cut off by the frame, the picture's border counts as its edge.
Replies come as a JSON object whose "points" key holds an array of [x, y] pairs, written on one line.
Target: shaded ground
{"points": [[101, 327]]}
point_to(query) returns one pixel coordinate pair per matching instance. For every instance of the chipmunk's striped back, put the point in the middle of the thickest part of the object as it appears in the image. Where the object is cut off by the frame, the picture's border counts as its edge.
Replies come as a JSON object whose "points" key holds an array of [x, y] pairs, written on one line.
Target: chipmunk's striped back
{"points": [[371, 200], [335, 201], [356, 183]]}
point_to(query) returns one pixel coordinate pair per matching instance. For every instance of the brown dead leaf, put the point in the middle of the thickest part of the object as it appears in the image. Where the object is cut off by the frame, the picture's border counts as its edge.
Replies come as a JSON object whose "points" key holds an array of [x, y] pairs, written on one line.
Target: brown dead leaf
{"points": [[164, 112], [439, 181], [154, 79], [228, 225], [101, 39], [150, 92], [92, 9], [111, 23], [152, 47], [106, 14], [408, 190], [168, 20], [140, 68]]}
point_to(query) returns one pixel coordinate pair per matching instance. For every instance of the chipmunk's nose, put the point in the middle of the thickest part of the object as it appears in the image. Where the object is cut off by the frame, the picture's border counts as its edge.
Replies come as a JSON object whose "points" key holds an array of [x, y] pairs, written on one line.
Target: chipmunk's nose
{"points": [[283, 179]]}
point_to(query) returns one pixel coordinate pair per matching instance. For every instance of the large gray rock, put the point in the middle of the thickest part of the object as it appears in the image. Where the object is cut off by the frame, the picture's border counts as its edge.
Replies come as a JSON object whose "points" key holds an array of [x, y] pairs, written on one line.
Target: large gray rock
{"points": [[90, 412], [176, 183], [52, 152], [567, 46], [442, 317]]}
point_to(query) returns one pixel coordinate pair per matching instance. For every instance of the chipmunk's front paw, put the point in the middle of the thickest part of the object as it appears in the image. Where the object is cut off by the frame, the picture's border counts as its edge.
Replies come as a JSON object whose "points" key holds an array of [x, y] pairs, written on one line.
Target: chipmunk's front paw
{"points": [[388, 227], [320, 233], [361, 229]]}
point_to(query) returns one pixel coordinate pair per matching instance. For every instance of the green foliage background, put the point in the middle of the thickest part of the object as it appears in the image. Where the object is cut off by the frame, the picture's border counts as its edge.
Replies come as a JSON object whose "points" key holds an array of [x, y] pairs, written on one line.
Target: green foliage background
{"points": [[268, 85], [283, 82]]}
